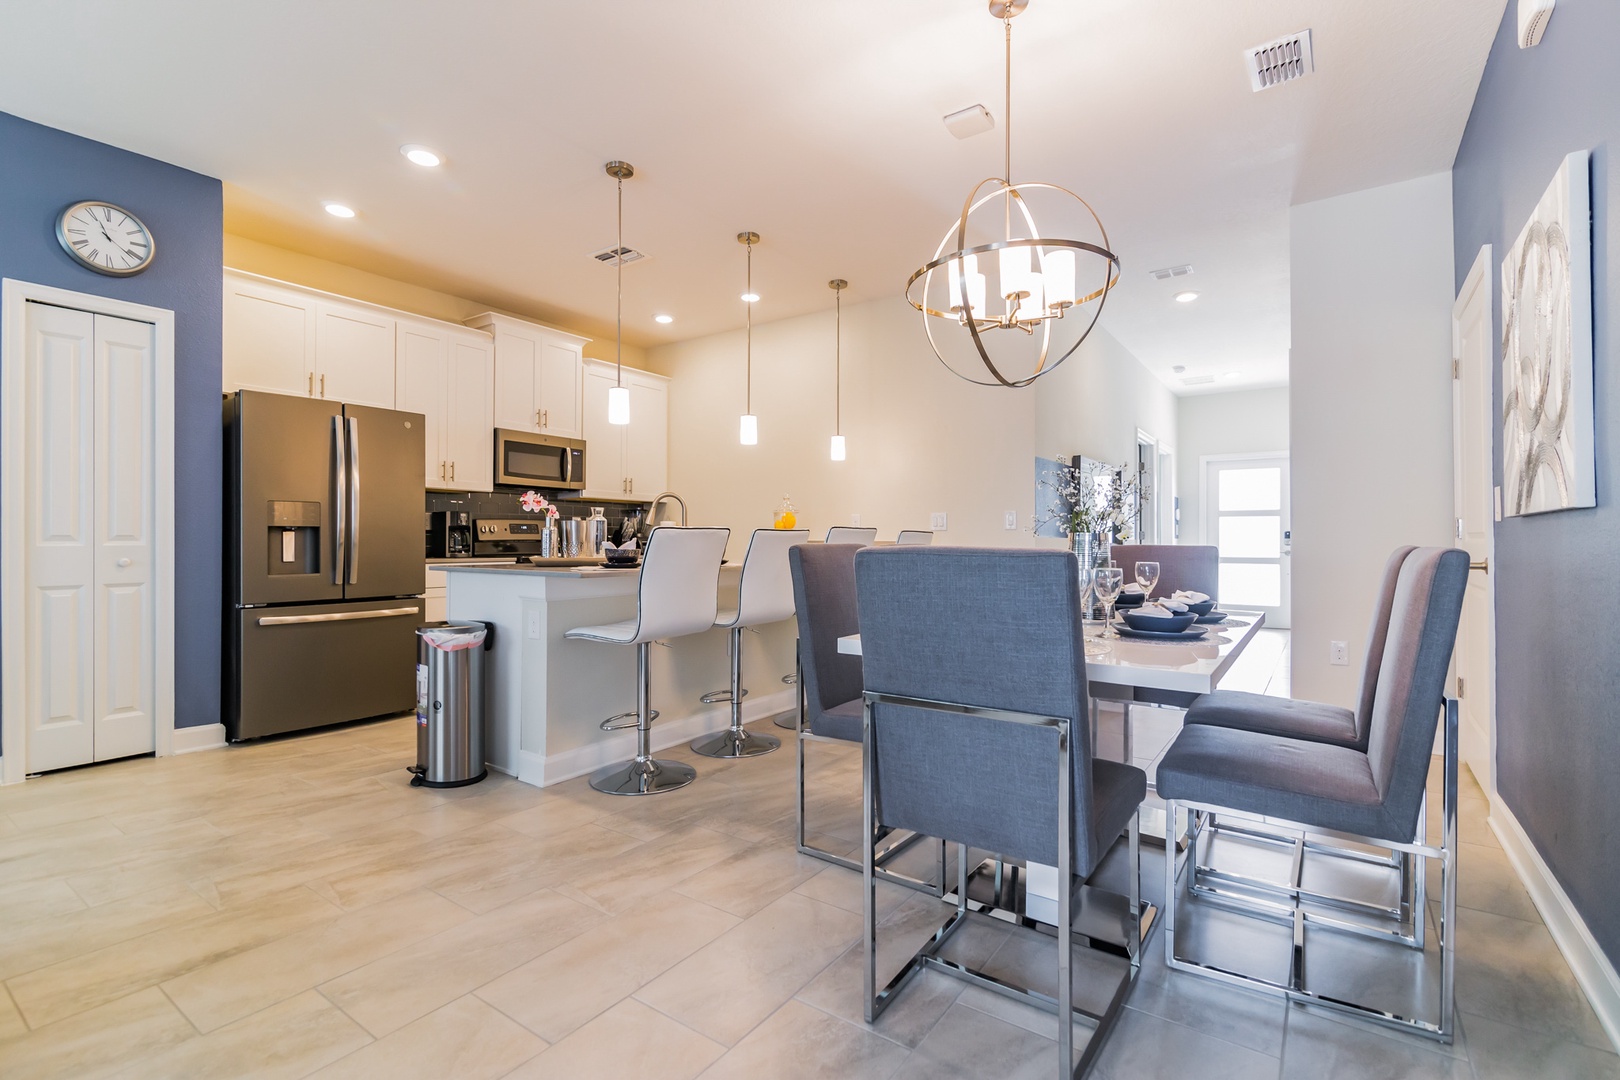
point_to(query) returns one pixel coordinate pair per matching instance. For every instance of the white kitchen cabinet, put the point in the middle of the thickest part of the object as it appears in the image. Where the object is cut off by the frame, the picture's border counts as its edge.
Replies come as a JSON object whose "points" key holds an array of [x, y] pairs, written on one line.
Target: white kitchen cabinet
{"points": [[445, 373], [537, 375], [629, 462], [289, 340]]}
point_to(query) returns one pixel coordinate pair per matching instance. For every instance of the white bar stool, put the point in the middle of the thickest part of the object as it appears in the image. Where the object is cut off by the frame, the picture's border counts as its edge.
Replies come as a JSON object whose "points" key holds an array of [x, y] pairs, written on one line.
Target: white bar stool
{"points": [[852, 534], [914, 537], [764, 595], [680, 580]]}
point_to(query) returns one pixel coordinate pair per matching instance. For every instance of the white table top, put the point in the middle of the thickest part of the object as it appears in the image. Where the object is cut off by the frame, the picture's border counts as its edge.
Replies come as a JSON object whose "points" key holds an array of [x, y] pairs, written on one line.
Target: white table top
{"points": [[1195, 668]]}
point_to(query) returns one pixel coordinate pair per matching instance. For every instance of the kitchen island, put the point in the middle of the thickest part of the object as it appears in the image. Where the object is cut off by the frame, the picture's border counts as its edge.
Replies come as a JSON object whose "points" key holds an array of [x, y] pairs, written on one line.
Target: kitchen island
{"points": [[546, 696]]}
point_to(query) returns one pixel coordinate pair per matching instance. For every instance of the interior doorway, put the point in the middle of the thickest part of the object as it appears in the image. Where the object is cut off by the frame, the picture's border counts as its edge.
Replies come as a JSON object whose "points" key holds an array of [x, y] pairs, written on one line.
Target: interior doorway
{"points": [[1246, 515], [1473, 425]]}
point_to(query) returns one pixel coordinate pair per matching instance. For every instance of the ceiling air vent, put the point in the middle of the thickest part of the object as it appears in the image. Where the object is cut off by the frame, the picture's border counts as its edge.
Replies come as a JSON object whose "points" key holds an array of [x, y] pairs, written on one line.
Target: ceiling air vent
{"points": [[1172, 272], [1197, 380], [625, 255], [1280, 61]]}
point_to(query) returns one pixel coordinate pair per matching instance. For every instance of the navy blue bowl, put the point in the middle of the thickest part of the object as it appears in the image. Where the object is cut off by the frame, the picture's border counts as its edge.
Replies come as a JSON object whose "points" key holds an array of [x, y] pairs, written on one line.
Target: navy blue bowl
{"points": [[1200, 609], [1174, 624]]}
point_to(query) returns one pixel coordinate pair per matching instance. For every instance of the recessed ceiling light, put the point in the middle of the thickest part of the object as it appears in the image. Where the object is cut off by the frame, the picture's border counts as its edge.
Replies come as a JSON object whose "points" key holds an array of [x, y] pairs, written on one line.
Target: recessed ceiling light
{"points": [[337, 209], [1186, 297], [1179, 368], [665, 319], [421, 155], [750, 298], [1234, 374]]}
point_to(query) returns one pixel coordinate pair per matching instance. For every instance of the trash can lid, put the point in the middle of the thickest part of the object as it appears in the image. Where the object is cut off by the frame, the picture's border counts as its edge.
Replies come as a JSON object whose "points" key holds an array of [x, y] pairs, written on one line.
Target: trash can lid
{"points": [[453, 636]]}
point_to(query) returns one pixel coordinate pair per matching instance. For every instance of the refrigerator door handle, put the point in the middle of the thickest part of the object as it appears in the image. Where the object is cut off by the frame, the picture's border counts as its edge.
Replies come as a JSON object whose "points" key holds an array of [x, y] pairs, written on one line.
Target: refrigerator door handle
{"points": [[340, 501], [354, 501], [338, 616]]}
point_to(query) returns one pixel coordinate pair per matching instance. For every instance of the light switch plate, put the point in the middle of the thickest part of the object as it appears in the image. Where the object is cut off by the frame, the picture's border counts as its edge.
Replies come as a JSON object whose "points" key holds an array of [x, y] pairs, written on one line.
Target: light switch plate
{"points": [[855, 520], [938, 522], [1010, 521]]}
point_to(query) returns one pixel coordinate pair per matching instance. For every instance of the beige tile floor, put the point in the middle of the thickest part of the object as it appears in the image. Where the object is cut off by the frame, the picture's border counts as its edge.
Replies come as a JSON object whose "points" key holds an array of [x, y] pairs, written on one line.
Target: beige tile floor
{"points": [[293, 908]]}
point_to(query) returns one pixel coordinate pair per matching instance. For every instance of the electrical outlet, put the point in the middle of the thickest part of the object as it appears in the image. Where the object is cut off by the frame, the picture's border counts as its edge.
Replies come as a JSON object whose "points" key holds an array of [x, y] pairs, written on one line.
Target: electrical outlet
{"points": [[855, 520], [938, 522], [534, 625], [1338, 653], [1010, 521]]}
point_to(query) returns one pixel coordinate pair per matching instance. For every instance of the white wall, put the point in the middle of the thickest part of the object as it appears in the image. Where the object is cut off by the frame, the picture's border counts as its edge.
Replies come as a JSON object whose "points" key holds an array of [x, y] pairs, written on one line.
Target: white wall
{"points": [[1370, 407], [920, 439], [1208, 425]]}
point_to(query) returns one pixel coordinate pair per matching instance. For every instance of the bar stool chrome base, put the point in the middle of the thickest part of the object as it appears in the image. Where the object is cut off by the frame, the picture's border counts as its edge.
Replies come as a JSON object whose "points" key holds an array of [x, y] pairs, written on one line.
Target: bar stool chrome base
{"points": [[735, 743], [789, 720], [642, 776]]}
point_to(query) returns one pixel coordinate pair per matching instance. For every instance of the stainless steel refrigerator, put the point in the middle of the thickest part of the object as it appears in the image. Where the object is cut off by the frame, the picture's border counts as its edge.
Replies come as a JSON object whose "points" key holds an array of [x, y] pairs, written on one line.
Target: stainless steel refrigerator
{"points": [[323, 560]]}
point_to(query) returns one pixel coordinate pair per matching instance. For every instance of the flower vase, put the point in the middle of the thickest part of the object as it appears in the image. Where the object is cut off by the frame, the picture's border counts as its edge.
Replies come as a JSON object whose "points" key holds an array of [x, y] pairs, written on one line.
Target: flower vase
{"points": [[548, 541], [1090, 549]]}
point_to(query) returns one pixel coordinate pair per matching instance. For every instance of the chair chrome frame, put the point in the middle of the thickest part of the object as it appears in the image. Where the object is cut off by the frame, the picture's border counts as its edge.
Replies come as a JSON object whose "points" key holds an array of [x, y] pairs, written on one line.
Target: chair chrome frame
{"points": [[899, 843], [1062, 1006], [1295, 913]]}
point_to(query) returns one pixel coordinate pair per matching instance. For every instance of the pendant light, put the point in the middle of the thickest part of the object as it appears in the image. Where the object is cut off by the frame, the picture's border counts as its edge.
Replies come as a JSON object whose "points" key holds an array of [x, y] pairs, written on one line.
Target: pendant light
{"points": [[748, 432], [618, 393], [1035, 273], [838, 285]]}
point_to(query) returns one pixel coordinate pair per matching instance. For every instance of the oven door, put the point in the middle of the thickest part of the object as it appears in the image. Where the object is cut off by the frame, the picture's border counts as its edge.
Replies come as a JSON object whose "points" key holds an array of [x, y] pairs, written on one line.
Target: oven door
{"points": [[524, 459]]}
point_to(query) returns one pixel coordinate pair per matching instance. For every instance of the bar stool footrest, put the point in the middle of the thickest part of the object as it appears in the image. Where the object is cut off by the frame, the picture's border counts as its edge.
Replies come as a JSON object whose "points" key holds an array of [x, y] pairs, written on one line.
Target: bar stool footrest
{"points": [[626, 720]]}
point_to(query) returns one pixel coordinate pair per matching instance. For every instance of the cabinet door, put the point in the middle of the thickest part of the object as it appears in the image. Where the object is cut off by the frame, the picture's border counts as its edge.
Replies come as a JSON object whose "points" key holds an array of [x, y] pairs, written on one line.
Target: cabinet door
{"points": [[420, 374], [604, 443], [354, 355], [469, 421], [517, 374], [559, 397], [646, 439], [269, 339]]}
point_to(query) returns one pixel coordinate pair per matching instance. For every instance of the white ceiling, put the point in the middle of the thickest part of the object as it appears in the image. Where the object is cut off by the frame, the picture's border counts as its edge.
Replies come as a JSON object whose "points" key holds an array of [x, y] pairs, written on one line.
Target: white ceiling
{"points": [[816, 124]]}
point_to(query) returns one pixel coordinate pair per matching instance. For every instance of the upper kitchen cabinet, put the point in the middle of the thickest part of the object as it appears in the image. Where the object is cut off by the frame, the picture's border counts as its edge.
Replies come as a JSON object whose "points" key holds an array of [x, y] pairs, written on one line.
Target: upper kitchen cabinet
{"points": [[629, 462], [446, 373], [537, 375], [297, 341]]}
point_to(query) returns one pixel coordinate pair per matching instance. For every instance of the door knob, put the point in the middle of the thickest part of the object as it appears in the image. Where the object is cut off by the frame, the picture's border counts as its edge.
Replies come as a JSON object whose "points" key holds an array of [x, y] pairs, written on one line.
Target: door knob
{"points": [[123, 562]]}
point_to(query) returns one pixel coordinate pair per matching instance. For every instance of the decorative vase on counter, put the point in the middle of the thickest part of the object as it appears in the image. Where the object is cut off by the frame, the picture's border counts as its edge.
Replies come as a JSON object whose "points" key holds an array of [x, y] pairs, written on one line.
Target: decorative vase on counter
{"points": [[595, 532], [549, 541], [785, 517]]}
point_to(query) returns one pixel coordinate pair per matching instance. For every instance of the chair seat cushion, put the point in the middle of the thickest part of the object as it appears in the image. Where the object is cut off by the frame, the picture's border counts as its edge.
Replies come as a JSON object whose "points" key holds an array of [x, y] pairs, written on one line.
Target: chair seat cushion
{"points": [[1117, 790], [1288, 717], [1312, 783], [618, 633], [840, 722]]}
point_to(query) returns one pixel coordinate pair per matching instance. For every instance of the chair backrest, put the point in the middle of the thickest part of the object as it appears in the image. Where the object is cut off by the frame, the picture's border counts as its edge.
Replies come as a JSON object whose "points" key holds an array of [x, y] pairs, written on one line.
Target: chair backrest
{"points": [[680, 581], [765, 593], [1424, 613], [849, 534], [985, 627], [918, 537], [824, 603], [1377, 636], [1195, 567]]}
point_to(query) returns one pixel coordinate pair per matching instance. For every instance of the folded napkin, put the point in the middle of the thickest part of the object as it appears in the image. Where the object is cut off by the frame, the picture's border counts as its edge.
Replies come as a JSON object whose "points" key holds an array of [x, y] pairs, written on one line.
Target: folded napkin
{"points": [[1175, 607], [1187, 596], [1157, 610], [1134, 590]]}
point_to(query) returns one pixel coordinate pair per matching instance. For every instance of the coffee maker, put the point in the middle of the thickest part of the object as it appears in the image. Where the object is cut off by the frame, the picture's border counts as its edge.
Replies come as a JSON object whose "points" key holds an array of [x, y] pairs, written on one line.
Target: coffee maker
{"points": [[449, 534]]}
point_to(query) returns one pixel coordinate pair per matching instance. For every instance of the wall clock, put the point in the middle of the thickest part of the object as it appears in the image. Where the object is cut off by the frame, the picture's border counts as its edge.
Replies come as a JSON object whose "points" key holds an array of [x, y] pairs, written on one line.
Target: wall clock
{"points": [[106, 238]]}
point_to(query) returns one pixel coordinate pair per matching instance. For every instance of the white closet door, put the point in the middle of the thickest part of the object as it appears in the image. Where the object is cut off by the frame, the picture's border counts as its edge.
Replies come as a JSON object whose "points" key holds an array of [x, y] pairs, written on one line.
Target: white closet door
{"points": [[61, 556], [125, 605]]}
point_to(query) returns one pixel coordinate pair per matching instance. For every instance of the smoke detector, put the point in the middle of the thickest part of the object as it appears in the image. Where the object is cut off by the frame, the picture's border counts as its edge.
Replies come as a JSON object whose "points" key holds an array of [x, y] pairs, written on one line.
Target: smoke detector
{"points": [[1172, 272], [968, 122], [1280, 61], [1197, 380], [1533, 16], [623, 255]]}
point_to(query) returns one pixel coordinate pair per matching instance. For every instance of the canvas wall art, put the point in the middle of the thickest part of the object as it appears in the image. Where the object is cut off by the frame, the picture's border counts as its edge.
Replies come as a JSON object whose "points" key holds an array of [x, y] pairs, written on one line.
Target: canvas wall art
{"points": [[1548, 458]]}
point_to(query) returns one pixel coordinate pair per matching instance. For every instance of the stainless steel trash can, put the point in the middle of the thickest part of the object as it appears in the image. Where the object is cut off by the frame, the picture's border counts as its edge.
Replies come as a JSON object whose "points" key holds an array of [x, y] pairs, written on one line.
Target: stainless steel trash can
{"points": [[450, 704]]}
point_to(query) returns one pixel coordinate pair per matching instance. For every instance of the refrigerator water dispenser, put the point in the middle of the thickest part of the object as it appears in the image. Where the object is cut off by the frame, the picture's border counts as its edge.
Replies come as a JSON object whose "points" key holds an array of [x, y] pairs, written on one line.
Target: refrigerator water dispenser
{"points": [[294, 533]]}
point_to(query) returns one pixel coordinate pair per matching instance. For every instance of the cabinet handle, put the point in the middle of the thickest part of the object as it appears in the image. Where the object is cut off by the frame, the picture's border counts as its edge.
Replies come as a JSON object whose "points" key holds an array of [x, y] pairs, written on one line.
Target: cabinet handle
{"points": [[537, 422], [312, 384], [323, 386], [545, 418], [441, 470], [452, 470]]}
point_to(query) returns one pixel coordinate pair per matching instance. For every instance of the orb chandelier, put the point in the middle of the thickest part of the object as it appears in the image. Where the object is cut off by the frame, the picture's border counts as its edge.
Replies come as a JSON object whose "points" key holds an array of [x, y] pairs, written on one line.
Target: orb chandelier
{"points": [[1037, 278]]}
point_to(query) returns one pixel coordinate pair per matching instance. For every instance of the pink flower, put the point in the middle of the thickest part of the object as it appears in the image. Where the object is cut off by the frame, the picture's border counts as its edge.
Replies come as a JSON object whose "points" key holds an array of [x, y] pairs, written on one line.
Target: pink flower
{"points": [[534, 502]]}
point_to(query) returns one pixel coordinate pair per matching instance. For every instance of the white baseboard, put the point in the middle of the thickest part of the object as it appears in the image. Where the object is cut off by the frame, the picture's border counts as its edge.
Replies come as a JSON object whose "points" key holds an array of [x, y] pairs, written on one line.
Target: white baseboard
{"points": [[202, 737], [1592, 968], [543, 770]]}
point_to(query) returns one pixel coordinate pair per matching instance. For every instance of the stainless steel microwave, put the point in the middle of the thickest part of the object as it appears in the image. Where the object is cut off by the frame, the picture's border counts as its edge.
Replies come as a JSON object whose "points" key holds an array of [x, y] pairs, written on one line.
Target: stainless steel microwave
{"points": [[525, 459]]}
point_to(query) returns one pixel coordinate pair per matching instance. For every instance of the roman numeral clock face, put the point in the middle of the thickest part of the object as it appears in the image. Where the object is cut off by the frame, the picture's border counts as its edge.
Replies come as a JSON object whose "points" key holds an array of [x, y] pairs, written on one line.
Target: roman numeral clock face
{"points": [[106, 238]]}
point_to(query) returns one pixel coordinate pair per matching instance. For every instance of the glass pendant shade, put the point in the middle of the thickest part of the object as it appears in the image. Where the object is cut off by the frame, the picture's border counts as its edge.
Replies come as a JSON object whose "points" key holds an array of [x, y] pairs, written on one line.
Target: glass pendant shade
{"points": [[618, 405], [748, 433], [975, 284], [1057, 273], [838, 448]]}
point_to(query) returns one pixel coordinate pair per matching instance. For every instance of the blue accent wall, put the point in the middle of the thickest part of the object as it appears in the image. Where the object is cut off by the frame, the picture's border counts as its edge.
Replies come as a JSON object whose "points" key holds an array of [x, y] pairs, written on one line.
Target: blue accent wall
{"points": [[1557, 585], [42, 170]]}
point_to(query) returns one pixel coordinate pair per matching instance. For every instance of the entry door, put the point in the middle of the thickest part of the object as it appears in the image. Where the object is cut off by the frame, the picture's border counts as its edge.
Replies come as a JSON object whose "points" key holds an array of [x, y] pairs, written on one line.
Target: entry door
{"points": [[1472, 426], [1246, 517], [90, 608]]}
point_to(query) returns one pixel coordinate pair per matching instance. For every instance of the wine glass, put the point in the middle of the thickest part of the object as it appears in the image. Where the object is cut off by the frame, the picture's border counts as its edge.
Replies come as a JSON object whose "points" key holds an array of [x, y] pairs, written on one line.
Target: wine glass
{"points": [[1107, 581], [1147, 576]]}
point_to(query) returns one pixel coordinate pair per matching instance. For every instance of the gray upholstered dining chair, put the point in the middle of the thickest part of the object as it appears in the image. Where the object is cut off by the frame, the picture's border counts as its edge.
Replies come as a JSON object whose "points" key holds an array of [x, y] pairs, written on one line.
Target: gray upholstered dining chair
{"points": [[1301, 788], [851, 534], [975, 731], [830, 687]]}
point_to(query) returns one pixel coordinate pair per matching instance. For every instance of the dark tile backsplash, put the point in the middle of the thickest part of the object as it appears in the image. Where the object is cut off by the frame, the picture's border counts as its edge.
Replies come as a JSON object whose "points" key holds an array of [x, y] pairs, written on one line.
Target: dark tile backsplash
{"points": [[504, 503]]}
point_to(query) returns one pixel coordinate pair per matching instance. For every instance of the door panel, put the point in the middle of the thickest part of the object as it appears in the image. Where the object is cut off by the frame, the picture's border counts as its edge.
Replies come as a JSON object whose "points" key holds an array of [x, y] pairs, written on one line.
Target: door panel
{"points": [[517, 373], [60, 573], [1246, 514], [646, 439], [354, 356], [125, 616], [604, 442], [469, 418], [559, 389], [269, 339], [1473, 425], [420, 375], [385, 553]]}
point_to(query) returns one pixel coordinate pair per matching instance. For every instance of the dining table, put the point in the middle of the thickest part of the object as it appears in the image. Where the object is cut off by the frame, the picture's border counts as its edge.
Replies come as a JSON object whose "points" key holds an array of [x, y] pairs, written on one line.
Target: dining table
{"points": [[1128, 671]]}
